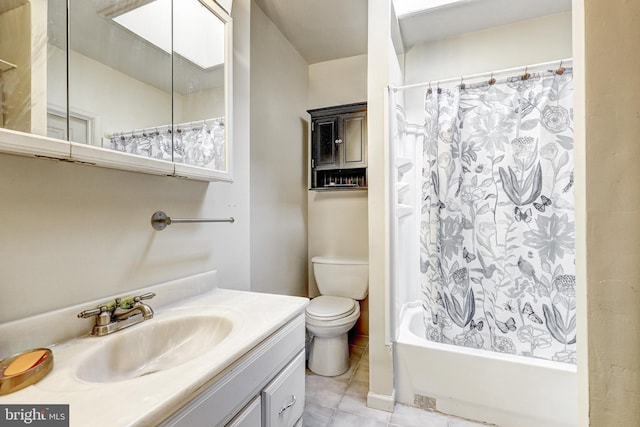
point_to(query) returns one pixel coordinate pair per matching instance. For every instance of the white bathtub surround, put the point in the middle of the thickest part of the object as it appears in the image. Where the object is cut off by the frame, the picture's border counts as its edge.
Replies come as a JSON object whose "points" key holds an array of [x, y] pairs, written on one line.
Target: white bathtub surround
{"points": [[491, 387], [147, 399]]}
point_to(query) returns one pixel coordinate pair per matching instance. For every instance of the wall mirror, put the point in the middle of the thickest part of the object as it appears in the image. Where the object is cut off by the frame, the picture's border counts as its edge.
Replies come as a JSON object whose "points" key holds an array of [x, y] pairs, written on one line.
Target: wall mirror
{"points": [[136, 84]]}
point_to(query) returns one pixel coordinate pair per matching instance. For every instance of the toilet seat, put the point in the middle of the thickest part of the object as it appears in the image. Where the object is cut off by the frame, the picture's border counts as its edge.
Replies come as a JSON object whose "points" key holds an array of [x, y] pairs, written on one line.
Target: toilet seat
{"points": [[327, 308]]}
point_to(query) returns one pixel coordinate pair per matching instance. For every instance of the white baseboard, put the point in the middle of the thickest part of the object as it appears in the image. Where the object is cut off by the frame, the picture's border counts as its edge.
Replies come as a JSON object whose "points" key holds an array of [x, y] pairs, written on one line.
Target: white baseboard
{"points": [[383, 402]]}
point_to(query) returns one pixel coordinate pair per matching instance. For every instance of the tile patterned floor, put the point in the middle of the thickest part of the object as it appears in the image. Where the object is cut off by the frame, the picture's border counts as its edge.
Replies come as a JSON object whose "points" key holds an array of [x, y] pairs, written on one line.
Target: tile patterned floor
{"points": [[341, 401]]}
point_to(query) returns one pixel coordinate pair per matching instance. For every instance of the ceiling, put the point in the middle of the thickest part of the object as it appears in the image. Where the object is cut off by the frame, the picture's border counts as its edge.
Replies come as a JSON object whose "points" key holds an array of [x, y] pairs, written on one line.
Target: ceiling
{"points": [[323, 30]]}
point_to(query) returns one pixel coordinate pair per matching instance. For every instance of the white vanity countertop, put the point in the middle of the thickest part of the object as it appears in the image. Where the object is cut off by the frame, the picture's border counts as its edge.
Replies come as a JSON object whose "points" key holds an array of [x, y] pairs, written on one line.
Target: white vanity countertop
{"points": [[140, 401]]}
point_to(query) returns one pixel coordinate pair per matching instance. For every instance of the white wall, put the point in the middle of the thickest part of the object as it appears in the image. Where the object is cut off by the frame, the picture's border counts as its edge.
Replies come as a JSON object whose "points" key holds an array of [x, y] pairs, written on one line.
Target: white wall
{"points": [[543, 39], [579, 159], [278, 161], [74, 233], [521, 43]]}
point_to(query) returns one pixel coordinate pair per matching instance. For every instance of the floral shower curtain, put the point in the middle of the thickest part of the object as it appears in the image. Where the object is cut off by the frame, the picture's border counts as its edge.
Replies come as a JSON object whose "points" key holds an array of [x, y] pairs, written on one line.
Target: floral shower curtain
{"points": [[497, 228]]}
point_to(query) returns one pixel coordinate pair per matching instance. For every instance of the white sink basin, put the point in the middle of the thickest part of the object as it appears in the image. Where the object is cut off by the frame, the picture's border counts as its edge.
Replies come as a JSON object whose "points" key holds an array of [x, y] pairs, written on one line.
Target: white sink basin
{"points": [[152, 346]]}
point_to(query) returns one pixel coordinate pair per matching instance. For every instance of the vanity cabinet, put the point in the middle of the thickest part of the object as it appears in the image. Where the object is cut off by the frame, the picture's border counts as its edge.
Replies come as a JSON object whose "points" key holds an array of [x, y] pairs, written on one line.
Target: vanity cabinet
{"points": [[250, 416], [264, 388], [339, 147]]}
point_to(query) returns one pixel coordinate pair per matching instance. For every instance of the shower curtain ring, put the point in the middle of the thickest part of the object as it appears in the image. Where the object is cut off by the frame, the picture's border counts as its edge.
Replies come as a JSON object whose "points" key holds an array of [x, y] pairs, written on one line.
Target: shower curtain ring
{"points": [[526, 75], [438, 87], [462, 85], [492, 81], [560, 69], [429, 90]]}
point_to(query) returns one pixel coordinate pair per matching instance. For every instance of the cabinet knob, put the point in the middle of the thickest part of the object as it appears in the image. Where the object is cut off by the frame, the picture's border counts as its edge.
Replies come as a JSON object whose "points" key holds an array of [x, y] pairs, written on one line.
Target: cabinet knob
{"points": [[338, 141]]}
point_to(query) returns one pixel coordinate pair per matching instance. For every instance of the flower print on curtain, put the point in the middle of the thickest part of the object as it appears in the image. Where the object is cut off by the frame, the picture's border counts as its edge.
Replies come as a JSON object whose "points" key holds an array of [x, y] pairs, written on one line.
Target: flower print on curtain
{"points": [[497, 229]]}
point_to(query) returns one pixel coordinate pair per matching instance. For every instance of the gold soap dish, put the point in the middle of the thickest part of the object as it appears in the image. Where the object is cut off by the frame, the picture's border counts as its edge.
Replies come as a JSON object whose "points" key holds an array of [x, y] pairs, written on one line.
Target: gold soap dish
{"points": [[23, 369]]}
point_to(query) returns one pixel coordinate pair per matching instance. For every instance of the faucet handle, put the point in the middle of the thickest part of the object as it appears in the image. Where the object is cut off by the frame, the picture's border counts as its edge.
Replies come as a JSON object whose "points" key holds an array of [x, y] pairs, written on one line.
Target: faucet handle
{"points": [[92, 312], [148, 295], [127, 303]]}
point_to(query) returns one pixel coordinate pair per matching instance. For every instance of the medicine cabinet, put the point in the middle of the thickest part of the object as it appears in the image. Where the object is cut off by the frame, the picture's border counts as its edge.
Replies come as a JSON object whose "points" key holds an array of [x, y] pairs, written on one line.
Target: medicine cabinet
{"points": [[339, 147], [140, 85]]}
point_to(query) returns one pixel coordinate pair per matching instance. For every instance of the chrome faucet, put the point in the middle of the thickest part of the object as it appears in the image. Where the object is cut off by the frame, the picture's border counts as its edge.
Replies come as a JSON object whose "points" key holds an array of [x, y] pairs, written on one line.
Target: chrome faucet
{"points": [[119, 314]]}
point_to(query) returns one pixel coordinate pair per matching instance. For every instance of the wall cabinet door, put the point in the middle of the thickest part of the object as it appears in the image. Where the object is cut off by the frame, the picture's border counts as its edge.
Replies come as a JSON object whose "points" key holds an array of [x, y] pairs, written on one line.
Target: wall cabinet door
{"points": [[353, 145], [325, 135]]}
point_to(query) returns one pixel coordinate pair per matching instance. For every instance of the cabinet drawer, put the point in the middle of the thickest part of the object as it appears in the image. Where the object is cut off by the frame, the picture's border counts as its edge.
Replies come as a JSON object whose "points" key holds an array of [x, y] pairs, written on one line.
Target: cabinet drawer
{"points": [[283, 398], [250, 416]]}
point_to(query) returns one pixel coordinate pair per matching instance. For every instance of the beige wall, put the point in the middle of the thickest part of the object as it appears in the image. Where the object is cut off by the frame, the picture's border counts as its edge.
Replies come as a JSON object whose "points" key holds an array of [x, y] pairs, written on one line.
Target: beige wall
{"points": [[15, 47], [341, 81], [278, 161], [74, 233], [381, 393], [609, 193], [23, 42], [338, 223]]}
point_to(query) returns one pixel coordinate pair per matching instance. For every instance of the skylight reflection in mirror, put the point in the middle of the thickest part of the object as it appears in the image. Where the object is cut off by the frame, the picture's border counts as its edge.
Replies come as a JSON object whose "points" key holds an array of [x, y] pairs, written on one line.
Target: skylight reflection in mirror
{"points": [[150, 21]]}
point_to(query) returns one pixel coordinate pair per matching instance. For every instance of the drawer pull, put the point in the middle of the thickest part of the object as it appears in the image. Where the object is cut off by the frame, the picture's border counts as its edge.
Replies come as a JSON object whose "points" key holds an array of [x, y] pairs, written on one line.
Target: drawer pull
{"points": [[288, 405]]}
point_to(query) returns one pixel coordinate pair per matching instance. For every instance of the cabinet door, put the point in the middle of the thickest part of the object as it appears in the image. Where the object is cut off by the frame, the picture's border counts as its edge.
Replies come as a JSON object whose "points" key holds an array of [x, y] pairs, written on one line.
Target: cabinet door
{"points": [[283, 399], [353, 133], [324, 136]]}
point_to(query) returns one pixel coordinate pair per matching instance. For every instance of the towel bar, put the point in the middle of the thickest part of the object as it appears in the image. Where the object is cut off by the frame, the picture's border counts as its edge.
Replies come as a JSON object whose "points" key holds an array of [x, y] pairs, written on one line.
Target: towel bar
{"points": [[160, 220]]}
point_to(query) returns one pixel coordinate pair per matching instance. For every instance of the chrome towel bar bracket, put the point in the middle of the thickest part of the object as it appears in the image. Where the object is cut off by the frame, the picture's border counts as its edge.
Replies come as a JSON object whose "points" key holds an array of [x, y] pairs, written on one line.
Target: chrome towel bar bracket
{"points": [[160, 220]]}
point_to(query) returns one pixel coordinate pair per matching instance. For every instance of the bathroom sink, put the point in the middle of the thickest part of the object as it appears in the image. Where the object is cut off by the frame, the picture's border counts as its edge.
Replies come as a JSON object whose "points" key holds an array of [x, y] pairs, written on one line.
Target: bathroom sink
{"points": [[152, 346]]}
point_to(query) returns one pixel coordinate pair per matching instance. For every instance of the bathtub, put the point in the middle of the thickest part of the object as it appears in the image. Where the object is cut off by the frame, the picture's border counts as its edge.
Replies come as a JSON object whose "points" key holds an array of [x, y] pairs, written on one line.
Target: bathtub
{"points": [[502, 389]]}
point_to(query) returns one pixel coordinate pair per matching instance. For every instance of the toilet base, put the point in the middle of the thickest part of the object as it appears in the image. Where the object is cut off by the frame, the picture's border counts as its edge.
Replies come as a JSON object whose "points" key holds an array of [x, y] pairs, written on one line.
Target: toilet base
{"points": [[329, 356]]}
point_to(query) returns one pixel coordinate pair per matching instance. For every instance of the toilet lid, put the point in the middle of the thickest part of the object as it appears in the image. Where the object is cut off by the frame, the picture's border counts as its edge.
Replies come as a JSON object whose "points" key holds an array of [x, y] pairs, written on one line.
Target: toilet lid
{"points": [[330, 308]]}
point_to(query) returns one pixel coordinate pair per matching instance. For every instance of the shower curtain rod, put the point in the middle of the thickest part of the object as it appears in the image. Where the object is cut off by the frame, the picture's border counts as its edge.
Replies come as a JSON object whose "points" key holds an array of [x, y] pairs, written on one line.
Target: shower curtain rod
{"points": [[185, 126], [561, 62]]}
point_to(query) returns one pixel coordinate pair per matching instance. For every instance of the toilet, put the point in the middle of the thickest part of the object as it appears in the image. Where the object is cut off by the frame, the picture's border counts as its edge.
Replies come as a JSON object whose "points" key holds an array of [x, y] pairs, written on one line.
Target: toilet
{"points": [[330, 316]]}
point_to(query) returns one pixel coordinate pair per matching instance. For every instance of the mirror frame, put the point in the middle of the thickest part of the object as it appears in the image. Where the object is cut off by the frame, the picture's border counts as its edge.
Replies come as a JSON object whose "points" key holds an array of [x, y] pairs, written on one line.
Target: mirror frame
{"points": [[189, 171], [32, 145]]}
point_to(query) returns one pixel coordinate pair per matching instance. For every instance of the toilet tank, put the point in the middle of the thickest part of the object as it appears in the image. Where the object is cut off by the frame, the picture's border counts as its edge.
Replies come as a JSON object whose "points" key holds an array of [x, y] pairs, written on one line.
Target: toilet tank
{"points": [[342, 277]]}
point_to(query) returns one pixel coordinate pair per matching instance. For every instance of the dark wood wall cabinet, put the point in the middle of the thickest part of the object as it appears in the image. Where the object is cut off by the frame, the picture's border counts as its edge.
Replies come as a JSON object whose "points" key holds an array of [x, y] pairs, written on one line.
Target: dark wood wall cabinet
{"points": [[339, 147]]}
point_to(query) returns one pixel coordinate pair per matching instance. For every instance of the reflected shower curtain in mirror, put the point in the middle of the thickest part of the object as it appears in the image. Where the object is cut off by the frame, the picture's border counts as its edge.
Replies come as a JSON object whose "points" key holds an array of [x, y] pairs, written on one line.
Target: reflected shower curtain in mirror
{"points": [[199, 143], [497, 229]]}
